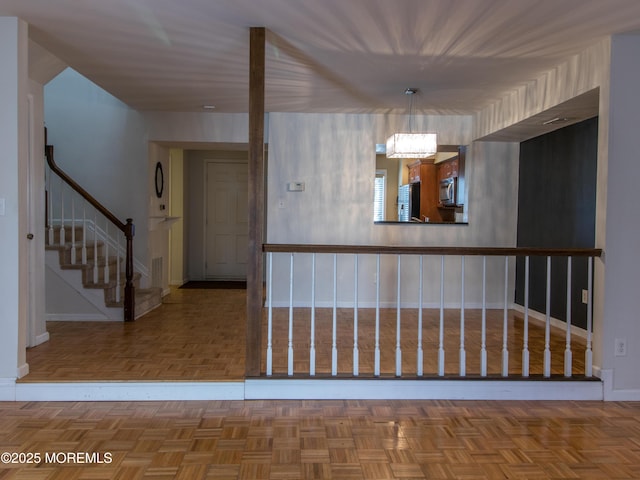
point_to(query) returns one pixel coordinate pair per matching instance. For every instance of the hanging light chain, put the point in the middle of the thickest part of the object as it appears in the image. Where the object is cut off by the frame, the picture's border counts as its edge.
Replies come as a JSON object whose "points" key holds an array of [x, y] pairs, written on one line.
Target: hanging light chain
{"points": [[411, 92]]}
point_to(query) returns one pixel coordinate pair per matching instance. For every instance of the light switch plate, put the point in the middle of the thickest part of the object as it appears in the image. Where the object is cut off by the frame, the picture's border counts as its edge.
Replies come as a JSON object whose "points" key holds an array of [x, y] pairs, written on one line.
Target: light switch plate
{"points": [[1, 207], [295, 187]]}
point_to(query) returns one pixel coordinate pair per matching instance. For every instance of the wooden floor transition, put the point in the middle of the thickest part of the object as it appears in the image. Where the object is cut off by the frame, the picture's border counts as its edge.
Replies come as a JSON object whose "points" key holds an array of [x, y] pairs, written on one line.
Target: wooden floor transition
{"points": [[279, 440], [199, 335]]}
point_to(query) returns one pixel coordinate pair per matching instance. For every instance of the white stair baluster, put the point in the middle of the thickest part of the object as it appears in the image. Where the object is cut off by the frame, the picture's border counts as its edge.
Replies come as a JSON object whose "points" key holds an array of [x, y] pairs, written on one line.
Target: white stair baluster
{"points": [[270, 316], [106, 252], [118, 284], [334, 325], [62, 238], [568, 367], [525, 334], [547, 324], [463, 353], [290, 336], [73, 230], [84, 233], [441, 332], [95, 247], [588, 354], [312, 346], [376, 348], [398, 305], [505, 321], [419, 352], [356, 363], [483, 346], [50, 208]]}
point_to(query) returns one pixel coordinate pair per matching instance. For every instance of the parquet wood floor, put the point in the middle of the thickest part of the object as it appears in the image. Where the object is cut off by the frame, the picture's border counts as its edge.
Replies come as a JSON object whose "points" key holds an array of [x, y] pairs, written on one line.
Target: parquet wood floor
{"points": [[279, 440], [199, 335], [194, 335]]}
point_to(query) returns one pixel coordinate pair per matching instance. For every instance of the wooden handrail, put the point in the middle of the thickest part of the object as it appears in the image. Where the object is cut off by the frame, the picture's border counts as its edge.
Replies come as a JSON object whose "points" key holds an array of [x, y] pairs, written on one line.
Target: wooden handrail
{"points": [[127, 228], [416, 250]]}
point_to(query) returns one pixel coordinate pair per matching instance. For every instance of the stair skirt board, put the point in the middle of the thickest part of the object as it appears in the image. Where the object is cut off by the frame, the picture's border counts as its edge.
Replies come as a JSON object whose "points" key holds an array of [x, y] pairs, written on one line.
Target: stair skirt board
{"points": [[311, 389], [146, 299]]}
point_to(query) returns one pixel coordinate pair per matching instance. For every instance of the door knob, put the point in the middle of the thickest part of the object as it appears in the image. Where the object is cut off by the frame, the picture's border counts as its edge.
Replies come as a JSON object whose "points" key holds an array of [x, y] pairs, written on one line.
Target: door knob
{"points": [[30, 236]]}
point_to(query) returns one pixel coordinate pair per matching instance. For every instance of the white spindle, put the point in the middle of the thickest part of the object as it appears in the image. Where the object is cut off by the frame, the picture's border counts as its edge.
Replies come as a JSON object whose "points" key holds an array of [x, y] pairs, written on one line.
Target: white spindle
{"points": [[463, 353], [84, 233], [95, 247], [312, 341], [334, 326], [73, 230], [50, 209], [290, 336], [356, 366], [441, 329], [118, 284], [567, 351], [376, 360], [505, 321], [106, 253], [270, 317], [525, 334], [547, 324], [483, 341], [62, 237], [588, 354], [398, 302], [419, 353]]}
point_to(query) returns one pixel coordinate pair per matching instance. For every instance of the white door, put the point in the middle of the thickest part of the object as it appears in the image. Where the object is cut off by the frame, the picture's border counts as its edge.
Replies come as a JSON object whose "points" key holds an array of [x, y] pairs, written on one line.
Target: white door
{"points": [[227, 227]]}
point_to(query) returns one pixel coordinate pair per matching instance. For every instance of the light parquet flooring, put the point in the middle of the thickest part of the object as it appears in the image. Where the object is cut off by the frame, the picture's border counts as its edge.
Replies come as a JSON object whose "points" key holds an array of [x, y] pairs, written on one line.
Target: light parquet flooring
{"points": [[280, 440], [199, 335], [195, 335]]}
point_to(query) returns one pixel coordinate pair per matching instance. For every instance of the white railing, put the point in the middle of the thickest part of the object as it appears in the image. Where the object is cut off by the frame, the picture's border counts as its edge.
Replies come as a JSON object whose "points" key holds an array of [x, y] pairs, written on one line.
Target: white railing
{"points": [[395, 340], [103, 237]]}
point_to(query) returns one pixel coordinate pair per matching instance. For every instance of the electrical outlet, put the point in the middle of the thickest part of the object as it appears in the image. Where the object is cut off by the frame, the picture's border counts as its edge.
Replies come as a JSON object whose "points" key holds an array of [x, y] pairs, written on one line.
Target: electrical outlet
{"points": [[620, 347], [585, 296]]}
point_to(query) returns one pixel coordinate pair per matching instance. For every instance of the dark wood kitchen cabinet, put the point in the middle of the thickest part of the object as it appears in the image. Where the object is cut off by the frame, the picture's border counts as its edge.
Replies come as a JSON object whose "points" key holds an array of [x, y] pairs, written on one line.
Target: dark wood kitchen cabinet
{"points": [[425, 172]]}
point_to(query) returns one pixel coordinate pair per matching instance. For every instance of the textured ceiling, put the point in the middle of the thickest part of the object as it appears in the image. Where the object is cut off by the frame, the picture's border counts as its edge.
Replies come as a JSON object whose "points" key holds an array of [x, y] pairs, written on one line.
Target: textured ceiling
{"points": [[352, 56]]}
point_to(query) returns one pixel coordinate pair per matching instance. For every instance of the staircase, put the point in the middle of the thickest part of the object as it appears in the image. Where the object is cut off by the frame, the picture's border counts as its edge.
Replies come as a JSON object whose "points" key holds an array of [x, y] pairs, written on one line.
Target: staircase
{"points": [[95, 274]]}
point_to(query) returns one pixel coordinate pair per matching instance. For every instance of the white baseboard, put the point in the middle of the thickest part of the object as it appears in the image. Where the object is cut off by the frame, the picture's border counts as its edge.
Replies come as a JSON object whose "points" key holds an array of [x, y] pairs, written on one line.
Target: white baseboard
{"points": [[78, 317], [617, 395], [554, 322], [7, 389], [23, 370], [312, 389], [42, 338], [128, 391], [391, 389]]}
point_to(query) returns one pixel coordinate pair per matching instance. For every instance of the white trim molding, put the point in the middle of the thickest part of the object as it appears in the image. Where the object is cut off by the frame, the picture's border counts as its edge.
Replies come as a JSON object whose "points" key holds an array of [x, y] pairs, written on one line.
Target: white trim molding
{"points": [[285, 389], [619, 395], [430, 389]]}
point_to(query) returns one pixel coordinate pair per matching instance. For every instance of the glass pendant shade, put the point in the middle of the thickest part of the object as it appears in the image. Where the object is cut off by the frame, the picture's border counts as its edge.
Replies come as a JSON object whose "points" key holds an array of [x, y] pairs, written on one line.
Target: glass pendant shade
{"points": [[411, 145]]}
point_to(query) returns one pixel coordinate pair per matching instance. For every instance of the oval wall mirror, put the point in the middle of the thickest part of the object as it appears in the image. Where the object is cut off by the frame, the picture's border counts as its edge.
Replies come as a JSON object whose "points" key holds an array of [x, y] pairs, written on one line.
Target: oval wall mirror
{"points": [[159, 180]]}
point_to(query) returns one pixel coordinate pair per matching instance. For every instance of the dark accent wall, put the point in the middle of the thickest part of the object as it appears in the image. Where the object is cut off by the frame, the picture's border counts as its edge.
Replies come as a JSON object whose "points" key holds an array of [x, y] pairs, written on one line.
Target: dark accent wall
{"points": [[556, 208]]}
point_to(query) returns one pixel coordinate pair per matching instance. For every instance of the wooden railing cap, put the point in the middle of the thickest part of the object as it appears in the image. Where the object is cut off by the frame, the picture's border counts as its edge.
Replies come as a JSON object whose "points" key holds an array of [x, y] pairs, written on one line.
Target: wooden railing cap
{"points": [[433, 250]]}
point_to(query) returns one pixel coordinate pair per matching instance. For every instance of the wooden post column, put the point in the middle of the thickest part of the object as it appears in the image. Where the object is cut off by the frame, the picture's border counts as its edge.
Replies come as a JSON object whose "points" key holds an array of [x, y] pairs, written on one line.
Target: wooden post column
{"points": [[256, 201]]}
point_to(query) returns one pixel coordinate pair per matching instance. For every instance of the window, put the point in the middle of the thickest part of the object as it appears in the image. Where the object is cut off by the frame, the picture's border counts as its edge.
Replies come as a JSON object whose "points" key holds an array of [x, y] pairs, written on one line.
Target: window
{"points": [[379, 195]]}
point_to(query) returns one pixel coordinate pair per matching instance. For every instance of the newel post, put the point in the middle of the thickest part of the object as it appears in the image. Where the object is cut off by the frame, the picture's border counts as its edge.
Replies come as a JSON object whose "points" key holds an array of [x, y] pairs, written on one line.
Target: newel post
{"points": [[129, 289]]}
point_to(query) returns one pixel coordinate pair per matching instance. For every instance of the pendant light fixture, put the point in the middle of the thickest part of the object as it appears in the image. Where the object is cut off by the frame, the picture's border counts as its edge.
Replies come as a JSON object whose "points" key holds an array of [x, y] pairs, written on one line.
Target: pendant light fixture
{"points": [[411, 145]]}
